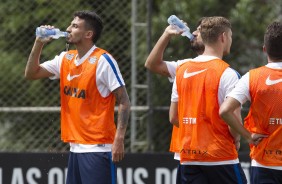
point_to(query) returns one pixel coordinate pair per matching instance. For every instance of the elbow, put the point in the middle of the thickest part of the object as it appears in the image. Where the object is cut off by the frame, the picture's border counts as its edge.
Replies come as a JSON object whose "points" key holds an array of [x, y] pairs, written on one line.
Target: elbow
{"points": [[29, 76], [223, 113], [126, 105], [174, 121], [151, 64], [147, 65], [129, 105]]}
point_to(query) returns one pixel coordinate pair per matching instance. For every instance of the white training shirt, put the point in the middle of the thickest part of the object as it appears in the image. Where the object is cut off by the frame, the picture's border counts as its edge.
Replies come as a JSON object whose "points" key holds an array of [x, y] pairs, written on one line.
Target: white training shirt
{"points": [[242, 94], [172, 66], [106, 79]]}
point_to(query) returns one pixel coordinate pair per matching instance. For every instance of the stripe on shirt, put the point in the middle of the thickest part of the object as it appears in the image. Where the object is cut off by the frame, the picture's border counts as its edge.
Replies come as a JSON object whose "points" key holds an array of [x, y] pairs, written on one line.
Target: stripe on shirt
{"points": [[238, 75], [113, 67]]}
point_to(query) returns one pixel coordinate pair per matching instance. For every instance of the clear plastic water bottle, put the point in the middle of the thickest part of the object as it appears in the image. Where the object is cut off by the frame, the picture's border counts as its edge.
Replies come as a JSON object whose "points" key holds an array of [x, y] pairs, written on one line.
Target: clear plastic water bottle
{"points": [[180, 26], [46, 32]]}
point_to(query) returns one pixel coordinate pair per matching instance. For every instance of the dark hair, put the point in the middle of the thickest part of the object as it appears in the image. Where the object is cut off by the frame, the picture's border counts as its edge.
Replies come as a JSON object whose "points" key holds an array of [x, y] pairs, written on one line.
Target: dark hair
{"points": [[92, 22], [212, 27], [273, 40]]}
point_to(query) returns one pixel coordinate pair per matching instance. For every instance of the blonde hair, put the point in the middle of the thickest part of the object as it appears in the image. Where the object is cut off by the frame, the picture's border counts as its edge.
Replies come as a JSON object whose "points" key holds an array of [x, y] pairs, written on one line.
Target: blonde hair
{"points": [[212, 27]]}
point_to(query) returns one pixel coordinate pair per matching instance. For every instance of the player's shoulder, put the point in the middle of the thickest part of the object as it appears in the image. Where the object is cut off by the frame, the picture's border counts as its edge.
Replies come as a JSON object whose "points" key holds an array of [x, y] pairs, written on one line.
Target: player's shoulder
{"points": [[182, 61], [230, 72]]}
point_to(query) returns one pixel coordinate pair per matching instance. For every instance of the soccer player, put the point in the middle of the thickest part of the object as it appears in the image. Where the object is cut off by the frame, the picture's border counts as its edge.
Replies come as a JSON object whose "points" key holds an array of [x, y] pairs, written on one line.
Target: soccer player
{"points": [[156, 64], [263, 125], [207, 150], [90, 85]]}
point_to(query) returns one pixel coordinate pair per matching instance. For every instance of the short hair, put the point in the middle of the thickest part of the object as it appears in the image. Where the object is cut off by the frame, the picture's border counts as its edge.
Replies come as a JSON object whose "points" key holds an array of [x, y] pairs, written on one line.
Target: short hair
{"points": [[92, 22], [200, 21], [212, 27], [273, 40]]}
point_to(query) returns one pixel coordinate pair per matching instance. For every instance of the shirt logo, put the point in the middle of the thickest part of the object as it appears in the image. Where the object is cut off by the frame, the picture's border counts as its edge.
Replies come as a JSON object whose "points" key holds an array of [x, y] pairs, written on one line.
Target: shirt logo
{"points": [[187, 74], [92, 60], [270, 82], [69, 56], [69, 77]]}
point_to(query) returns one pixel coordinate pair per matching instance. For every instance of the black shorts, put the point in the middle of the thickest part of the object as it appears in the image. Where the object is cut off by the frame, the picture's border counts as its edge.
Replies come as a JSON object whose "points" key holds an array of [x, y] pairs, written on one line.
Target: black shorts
{"points": [[178, 174], [264, 175], [218, 174], [90, 168]]}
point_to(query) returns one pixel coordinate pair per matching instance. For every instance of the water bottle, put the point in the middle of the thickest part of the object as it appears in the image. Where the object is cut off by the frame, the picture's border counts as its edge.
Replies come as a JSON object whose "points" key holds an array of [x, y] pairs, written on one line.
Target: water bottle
{"points": [[180, 26], [46, 32]]}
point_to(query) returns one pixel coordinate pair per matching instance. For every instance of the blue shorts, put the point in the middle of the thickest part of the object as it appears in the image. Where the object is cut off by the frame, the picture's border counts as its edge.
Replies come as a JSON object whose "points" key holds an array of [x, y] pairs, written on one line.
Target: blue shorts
{"points": [[202, 174], [91, 168], [265, 175], [178, 174]]}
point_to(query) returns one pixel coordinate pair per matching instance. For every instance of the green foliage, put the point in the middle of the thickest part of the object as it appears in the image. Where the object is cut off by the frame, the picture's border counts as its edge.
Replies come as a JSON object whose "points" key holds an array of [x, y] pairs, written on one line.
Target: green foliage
{"points": [[249, 20]]}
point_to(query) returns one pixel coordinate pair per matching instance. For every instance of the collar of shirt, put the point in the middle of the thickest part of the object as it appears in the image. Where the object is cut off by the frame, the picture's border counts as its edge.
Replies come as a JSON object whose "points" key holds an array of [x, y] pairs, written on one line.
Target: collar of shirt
{"points": [[203, 58], [81, 60], [276, 65]]}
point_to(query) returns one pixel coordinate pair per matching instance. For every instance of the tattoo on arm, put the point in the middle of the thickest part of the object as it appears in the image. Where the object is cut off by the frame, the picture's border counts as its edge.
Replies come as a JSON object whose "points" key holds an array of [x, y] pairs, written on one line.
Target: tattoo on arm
{"points": [[123, 102]]}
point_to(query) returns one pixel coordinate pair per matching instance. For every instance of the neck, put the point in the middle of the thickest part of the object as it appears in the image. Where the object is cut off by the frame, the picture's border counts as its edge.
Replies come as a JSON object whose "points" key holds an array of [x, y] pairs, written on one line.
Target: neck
{"points": [[273, 60], [213, 51], [82, 49]]}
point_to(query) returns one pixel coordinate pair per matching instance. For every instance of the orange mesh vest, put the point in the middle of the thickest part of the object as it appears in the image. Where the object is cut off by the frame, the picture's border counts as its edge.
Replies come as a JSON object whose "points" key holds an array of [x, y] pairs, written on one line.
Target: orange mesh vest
{"points": [[86, 116], [204, 136], [265, 114], [174, 143]]}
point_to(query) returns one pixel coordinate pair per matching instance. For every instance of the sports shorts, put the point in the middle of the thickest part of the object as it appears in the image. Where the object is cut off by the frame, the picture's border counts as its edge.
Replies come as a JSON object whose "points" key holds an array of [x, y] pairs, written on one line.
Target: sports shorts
{"points": [[203, 174], [91, 168], [178, 174], [265, 175]]}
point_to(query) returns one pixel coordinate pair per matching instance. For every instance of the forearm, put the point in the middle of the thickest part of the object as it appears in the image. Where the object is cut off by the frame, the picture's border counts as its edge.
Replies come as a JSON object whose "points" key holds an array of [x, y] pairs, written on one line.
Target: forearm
{"points": [[236, 125], [32, 65], [122, 120], [173, 114], [123, 111], [237, 115], [155, 61]]}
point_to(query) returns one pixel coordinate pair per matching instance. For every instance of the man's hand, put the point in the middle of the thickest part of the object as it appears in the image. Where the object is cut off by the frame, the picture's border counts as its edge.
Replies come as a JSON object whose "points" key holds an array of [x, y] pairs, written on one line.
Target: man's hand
{"points": [[118, 150], [45, 40], [256, 138], [171, 30], [237, 144]]}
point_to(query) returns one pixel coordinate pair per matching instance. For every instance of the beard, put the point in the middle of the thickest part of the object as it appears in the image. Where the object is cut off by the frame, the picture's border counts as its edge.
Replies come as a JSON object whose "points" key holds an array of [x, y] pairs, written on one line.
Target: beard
{"points": [[68, 42], [197, 47]]}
